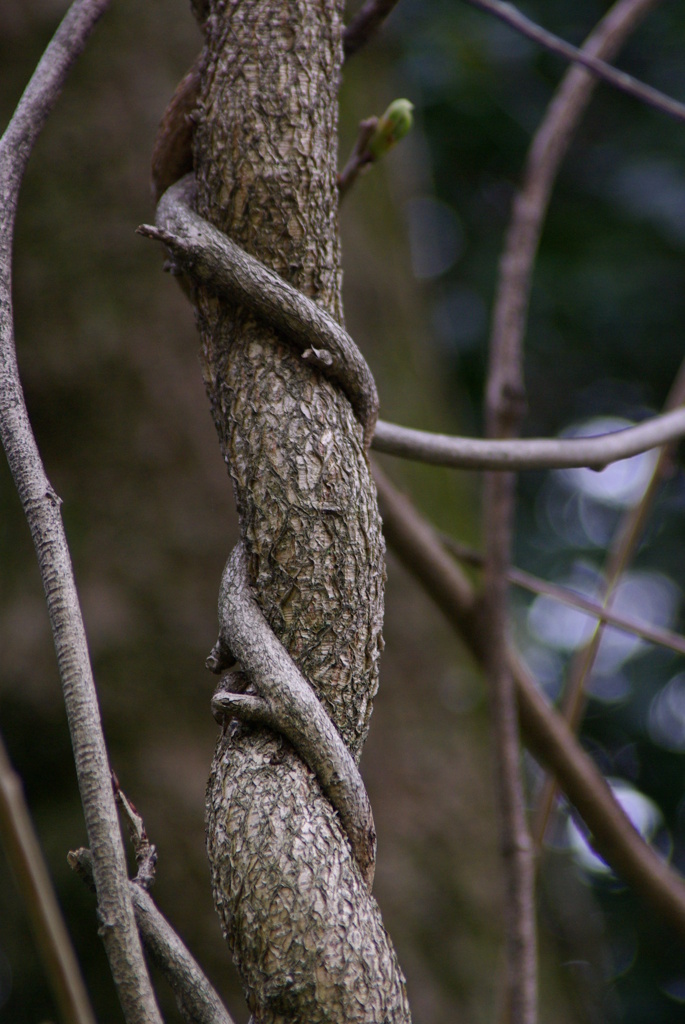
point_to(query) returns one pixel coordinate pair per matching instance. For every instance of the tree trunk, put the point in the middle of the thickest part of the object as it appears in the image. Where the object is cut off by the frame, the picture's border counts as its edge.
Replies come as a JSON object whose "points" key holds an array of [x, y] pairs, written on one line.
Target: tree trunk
{"points": [[305, 933]]}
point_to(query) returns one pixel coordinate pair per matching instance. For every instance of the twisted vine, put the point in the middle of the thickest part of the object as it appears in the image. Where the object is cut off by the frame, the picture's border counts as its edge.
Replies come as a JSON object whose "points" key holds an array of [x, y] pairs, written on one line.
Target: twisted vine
{"points": [[354, 974], [284, 701], [211, 258]]}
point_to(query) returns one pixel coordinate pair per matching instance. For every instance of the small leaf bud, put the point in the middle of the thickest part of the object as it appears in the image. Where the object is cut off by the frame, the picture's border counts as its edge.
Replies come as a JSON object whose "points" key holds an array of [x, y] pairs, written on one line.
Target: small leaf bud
{"points": [[392, 126]]}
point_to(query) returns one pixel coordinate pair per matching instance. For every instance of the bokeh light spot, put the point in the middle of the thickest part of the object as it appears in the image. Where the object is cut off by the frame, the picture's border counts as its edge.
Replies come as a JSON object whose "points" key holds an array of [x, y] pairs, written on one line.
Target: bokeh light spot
{"points": [[666, 721], [643, 813], [436, 237], [621, 484]]}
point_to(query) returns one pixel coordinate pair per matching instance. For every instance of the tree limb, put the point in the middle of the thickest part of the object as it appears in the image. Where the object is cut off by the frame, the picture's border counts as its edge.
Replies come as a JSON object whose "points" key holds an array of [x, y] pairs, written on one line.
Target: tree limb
{"points": [[197, 999], [529, 453], [35, 887], [41, 506], [547, 736], [527, 581], [366, 21], [623, 548], [505, 404], [305, 934], [511, 16]]}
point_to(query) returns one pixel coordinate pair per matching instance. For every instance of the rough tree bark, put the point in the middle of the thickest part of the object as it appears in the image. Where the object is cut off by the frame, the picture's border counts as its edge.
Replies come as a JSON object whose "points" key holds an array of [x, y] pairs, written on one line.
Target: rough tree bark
{"points": [[304, 931]]}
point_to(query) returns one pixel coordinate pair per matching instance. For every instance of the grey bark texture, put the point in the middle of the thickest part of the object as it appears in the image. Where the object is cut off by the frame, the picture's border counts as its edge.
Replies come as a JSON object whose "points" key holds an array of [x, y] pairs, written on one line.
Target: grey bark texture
{"points": [[304, 931], [41, 506], [210, 257], [287, 704]]}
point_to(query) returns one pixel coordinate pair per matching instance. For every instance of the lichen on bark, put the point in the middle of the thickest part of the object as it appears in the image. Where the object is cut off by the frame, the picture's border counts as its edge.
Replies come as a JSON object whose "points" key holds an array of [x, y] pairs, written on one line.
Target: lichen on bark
{"points": [[305, 933]]}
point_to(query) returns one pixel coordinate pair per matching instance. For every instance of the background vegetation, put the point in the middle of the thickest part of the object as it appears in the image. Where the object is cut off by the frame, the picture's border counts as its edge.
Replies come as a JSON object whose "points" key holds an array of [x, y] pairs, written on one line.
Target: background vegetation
{"points": [[107, 352]]}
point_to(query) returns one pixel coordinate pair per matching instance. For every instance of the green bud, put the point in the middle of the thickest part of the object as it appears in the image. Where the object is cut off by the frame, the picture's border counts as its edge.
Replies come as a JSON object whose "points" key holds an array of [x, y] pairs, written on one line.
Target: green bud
{"points": [[391, 127]]}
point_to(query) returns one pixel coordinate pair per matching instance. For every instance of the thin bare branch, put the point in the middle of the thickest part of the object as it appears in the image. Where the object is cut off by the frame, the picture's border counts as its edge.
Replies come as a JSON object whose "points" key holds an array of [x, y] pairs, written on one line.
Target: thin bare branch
{"points": [[40, 96], [287, 703], [35, 887], [504, 410], [209, 255], [366, 21], [145, 852], [212, 258], [516, 843], [546, 734], [612, 834], [527, 581], [172, 153], [548, 148], [41, 506], [618, 79], [623, 548], [197, 999], [529, 453], [359, 160]]}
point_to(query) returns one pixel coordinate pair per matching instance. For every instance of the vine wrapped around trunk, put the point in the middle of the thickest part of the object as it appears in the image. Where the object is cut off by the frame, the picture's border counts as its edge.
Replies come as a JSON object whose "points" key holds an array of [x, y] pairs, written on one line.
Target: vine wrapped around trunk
{"points": [[305, 933]]}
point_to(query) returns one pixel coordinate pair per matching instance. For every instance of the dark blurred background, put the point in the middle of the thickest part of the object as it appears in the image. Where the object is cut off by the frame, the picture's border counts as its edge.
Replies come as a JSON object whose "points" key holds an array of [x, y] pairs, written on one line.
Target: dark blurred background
{"points": [[107, 350]]}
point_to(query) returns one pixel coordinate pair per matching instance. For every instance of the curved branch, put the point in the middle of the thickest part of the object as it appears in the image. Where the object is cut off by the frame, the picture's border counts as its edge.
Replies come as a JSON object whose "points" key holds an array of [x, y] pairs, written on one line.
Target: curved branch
{"points": [[211, 258], [366, 21], [505, 387], [544, 158], [529, 453], [33, 882], [505, 403], [537, 585], [208, 255], [41, 507], [197, 999], [512, 17], [40, 96], [624, 545], [288, 704], [545, 733]]}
